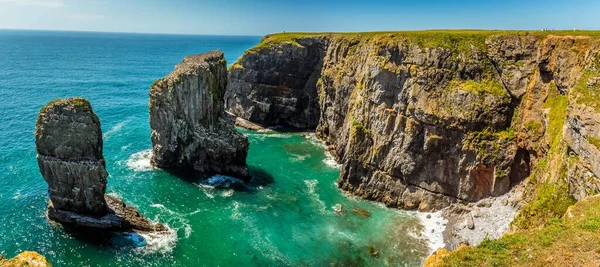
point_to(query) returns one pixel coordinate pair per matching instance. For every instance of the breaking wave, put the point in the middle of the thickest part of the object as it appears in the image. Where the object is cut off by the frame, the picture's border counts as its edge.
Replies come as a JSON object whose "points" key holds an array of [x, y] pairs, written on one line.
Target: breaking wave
{"points": [[140, 161]]}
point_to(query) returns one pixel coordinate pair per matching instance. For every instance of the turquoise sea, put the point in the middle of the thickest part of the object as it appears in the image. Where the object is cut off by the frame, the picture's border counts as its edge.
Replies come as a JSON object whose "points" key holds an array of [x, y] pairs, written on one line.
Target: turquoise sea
{"points": [[292, 214]]}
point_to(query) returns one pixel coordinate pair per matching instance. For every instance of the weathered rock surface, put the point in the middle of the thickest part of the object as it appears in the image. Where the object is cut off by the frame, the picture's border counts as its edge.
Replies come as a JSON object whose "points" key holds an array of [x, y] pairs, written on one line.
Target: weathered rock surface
{"points": [[69, 147], [190, 130], [426, 119], [26, 258], [69, 151], [277, 86]]}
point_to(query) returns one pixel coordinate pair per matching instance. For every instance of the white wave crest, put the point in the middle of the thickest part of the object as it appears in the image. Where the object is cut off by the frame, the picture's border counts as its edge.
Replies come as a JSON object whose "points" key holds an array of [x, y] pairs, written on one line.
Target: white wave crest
{"points": [[311, 185], [116, 128], [330, 161], [140, 161], [434, 224], [297, 158], [227, 193], [176, 221]]}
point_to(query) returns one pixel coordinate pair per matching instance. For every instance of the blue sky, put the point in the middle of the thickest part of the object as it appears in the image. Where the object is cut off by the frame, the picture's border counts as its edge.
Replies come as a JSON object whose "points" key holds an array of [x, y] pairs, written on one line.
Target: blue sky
{"points": [[267, 16]]}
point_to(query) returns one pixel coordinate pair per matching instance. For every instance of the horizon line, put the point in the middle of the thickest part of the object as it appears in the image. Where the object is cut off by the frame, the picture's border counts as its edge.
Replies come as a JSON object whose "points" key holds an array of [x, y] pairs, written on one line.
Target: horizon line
{"points": [[306, 32], [125, 32]]}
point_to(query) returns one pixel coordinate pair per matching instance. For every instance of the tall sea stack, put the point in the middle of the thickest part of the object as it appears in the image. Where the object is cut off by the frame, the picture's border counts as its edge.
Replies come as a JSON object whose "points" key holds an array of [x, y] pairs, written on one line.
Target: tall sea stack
{"points": [[68, 140], [69, 147], [190, 130]]}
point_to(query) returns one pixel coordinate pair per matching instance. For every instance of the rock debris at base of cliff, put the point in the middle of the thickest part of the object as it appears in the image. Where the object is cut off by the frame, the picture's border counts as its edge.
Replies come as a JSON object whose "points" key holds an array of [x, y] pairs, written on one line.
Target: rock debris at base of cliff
{"points": [[69, 151], [190, 129]]}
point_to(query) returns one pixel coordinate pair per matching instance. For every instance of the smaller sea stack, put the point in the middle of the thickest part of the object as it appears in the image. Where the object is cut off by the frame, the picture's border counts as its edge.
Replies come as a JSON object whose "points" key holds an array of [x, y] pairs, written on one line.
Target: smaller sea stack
{"points": [[190, 129], [68, 140]]}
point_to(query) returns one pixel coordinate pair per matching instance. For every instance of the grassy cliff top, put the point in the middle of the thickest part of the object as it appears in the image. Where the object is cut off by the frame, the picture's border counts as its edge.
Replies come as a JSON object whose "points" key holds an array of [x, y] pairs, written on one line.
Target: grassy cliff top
{"points": [[425, 38]]}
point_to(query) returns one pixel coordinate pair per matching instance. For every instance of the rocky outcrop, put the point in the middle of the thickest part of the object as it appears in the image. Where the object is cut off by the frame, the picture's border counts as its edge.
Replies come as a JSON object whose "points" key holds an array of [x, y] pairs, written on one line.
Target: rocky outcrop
{"points": [[276, 85], [426, 119], [26, 258], [190, 130], [69, 152]]}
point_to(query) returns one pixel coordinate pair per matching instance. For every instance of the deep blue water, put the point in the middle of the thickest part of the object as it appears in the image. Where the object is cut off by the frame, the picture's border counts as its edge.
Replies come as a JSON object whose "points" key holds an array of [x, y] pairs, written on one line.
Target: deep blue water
{"points": [[289, 222]]}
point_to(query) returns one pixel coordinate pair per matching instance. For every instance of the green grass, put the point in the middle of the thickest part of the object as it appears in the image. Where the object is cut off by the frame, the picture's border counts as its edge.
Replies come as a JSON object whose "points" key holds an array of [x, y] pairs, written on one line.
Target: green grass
{"points": [[594, 141], [456, 40], [486, 86], [78, 103], [573, 240], [358, 127], [588, 96], [557, 104], [533, 126], [551, 201]]}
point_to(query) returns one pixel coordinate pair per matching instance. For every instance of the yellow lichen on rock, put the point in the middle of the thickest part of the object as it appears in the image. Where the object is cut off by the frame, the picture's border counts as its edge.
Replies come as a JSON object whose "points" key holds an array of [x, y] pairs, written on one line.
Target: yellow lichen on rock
{"points": [[436, 258], [26, 258]]}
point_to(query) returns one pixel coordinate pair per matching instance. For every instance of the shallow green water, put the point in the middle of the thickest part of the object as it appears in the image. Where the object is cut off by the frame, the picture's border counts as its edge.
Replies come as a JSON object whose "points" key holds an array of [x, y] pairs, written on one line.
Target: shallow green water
{"points": [[286, 217]]}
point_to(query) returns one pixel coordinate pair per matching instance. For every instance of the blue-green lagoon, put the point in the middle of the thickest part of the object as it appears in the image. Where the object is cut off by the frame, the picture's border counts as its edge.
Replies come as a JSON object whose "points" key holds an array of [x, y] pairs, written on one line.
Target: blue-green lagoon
{"points": [[291, 214]]}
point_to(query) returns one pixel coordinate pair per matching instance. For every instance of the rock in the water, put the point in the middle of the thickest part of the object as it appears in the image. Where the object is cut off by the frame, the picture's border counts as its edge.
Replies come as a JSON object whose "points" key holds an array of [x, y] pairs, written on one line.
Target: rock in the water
{"points": [[190, 130], [69, 151], [69, 148]]}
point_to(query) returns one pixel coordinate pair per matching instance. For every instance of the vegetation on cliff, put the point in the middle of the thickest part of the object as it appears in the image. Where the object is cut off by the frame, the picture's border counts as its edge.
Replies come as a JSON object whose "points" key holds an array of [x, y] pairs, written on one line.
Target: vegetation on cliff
{"points": [[573, 240]]}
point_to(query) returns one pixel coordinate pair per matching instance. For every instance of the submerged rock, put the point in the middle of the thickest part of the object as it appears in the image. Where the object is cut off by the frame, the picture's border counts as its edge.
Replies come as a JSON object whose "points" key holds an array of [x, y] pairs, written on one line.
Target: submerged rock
{"points": [[361, 213], [69, 152], [190, 130]]}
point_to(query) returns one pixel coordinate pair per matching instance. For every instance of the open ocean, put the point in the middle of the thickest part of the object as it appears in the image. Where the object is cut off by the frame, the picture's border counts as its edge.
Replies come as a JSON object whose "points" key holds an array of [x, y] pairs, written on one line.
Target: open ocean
{"points": [[287, 218]]}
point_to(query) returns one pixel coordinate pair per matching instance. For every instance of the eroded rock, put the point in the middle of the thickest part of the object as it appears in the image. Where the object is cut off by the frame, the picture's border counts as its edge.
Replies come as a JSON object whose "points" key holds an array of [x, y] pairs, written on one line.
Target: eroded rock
{"points": [[69, 153], [190, 130]]}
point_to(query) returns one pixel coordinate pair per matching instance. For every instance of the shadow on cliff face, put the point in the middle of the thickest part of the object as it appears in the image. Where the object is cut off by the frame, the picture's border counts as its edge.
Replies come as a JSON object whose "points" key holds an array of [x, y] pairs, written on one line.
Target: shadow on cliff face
{"points": [[259, 177]]}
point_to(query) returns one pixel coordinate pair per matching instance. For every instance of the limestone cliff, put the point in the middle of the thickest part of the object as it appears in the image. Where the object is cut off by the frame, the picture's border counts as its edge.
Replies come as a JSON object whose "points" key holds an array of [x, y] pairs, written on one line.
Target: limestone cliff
{"points": [[425, 119], [190, 130], [69, 151]]}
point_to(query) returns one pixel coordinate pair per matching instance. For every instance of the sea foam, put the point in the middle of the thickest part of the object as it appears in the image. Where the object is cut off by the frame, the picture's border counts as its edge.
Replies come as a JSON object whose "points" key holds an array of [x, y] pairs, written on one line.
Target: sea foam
{"points": [[140, 161], [433, 228]]}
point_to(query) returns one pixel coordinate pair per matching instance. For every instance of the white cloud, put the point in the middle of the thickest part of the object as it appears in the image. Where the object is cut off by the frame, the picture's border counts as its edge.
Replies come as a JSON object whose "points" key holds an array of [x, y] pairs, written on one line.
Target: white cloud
{"points": [[38, 3], [84, 16]]}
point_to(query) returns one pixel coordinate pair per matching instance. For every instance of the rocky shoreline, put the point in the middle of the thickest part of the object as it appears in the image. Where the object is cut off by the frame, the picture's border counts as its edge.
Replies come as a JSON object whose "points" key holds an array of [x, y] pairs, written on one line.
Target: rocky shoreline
{"points": [[471, 223]]}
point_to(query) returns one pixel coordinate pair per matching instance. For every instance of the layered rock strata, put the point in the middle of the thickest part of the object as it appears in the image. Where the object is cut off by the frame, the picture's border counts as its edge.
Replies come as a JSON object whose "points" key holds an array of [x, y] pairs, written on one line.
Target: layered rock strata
{"points": [[69, 152], [426, 119], [190, 129]]}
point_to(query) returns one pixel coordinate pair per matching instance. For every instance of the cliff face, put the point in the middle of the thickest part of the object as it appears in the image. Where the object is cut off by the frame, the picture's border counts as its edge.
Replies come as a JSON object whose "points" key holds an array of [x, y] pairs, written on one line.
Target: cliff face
{"points": [[276, 85], [188, 122], [69, 152], [69, 147], [424, 119]]}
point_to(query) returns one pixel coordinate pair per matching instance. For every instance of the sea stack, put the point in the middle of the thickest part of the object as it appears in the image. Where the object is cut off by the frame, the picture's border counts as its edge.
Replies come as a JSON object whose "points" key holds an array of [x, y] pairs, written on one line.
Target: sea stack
{"points": [[68, 140], [190, 129]]}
